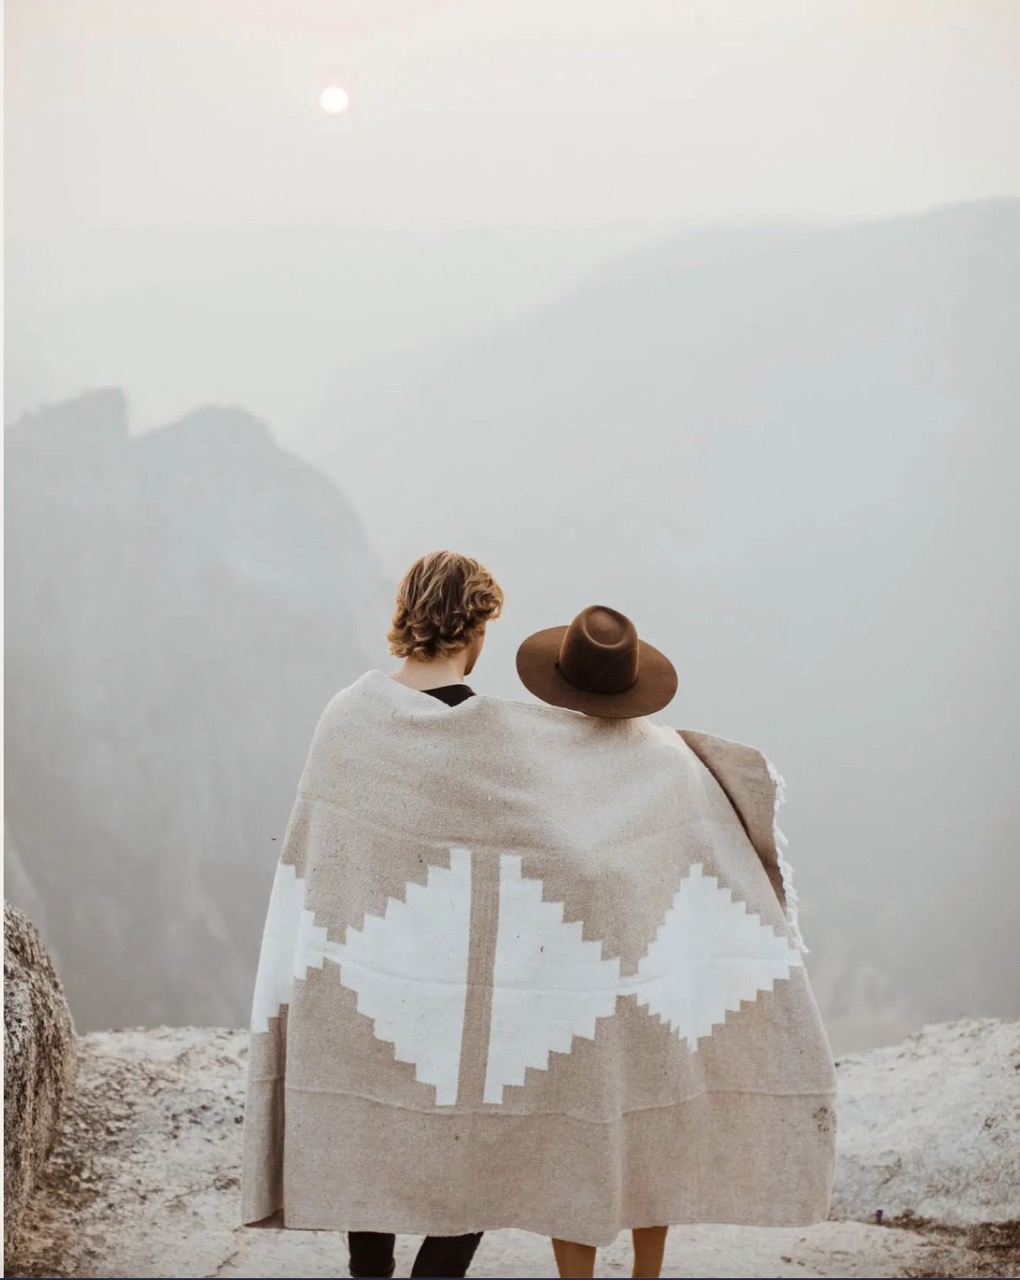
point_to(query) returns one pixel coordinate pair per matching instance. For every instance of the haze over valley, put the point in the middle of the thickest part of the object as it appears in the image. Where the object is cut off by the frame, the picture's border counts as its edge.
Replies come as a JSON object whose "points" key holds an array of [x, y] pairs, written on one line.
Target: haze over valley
{"points": [[706, 311], [785, 452]]}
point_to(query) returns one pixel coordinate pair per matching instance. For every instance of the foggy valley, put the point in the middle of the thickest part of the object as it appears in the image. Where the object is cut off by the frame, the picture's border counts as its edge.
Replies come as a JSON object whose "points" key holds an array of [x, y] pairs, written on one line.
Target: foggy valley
{"points": [[180, 607], [788, 451]]}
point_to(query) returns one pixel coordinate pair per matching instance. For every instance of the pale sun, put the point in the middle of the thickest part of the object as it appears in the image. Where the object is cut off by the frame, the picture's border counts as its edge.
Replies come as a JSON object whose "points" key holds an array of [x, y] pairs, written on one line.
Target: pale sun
{"points": [[334, 100]]}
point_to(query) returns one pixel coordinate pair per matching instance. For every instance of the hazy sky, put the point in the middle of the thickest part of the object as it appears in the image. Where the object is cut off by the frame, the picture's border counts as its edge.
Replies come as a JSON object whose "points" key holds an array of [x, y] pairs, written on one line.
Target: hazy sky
{"points": [[809, 492], [467, 112]]}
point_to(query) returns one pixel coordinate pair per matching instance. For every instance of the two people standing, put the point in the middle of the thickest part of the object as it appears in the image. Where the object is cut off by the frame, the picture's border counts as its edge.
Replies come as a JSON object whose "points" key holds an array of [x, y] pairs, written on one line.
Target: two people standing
{"points": [[443, 605], [529, 965]]}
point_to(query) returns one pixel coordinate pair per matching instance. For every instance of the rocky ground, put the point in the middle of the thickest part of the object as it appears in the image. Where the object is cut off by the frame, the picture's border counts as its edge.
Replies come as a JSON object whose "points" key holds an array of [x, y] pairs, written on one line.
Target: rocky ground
{"points": [[930, 1127], [144, 1180]]}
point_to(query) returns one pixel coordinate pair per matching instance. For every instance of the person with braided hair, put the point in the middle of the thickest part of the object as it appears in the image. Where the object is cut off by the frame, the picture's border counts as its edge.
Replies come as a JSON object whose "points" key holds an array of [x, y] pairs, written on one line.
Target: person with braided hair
{"points": [[443, 603]]}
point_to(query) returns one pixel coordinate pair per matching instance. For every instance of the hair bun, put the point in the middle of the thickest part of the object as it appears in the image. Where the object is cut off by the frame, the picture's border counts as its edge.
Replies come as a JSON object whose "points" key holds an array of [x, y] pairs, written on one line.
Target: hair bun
{"points": [[441, 602]]}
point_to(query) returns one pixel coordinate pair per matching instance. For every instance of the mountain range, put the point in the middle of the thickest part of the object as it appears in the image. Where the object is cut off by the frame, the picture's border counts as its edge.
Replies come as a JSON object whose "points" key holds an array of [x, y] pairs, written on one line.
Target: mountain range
{"points": [[180, 606], [789, 454]]}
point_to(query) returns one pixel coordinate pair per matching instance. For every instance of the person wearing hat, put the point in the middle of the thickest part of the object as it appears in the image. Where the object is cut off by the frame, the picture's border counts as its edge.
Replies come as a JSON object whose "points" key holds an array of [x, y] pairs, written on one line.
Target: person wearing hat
{"points": [[530, 966], [598, 665]]}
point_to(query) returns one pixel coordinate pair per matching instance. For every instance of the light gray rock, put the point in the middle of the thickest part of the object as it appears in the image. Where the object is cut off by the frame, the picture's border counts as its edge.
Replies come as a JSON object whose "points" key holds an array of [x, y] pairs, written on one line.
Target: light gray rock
{"points": [[931, 1126], [40, 1058]]}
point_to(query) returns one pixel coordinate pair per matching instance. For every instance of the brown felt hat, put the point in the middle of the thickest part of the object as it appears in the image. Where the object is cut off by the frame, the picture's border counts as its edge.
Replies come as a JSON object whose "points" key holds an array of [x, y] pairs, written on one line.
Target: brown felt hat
{"points": [[597, 665]]}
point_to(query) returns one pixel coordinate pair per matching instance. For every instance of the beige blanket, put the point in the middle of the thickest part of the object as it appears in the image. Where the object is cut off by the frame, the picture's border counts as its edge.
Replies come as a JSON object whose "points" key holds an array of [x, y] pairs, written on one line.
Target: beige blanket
{"points": [[524, 968]]}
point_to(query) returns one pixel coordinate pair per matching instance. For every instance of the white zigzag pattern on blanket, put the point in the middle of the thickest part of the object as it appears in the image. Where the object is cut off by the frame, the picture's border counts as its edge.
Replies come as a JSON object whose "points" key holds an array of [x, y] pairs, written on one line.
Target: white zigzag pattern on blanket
{"points": [[709, 955], [548, 983], [292, 943], [409, 968]]}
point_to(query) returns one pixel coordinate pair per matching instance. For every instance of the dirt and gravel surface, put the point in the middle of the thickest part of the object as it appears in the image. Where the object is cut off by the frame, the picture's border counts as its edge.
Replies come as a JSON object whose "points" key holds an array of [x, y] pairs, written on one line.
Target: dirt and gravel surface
{"points": [[144, 1182]]}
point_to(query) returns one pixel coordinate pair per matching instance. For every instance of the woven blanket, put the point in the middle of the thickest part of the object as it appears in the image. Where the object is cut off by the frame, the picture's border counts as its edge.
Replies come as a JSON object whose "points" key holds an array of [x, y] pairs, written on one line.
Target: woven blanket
{"points": [[525, 968]]}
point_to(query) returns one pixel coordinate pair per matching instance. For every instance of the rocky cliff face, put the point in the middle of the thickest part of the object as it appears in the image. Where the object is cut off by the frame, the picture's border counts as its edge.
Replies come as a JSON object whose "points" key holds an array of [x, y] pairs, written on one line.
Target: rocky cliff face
{"points": [[40, 1059], [145, 1180], [180, 606]]}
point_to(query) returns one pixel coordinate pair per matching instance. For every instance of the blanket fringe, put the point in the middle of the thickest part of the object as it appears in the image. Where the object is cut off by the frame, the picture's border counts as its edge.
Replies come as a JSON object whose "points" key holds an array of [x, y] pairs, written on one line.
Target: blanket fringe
{"points": [[785, 870]]}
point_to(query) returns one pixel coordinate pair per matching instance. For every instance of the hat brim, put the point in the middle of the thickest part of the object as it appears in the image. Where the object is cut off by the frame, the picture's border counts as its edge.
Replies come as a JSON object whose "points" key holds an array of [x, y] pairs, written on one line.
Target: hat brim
{"points": [[655, 687]]}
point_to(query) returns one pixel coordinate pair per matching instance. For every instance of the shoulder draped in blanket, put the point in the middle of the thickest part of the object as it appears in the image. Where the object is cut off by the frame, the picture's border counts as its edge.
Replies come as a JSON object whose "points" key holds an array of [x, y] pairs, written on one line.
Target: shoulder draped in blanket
{"points": [[526, 968]]}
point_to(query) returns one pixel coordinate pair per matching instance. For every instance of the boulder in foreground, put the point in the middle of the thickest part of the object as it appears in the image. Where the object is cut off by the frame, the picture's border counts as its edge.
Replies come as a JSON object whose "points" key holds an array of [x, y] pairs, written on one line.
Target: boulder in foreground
{"points": [[930, 1127], [40, 1058]]}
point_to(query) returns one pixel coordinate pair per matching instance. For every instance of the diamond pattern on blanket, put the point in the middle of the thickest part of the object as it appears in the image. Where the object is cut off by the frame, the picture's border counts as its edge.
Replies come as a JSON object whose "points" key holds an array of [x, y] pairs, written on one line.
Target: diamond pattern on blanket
{"points": [[708, 956], [409, 969], [549, 984], [292, 943]]}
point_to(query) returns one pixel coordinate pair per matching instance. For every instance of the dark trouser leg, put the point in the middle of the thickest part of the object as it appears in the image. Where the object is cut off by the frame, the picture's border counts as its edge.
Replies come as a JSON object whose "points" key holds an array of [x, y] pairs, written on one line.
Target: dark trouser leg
{"points": [[371, 1253], [445, 1256]]}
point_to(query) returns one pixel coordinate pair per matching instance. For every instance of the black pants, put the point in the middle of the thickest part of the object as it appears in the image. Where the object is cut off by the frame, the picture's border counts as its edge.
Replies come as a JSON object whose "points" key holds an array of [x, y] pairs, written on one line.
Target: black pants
{"points": [[439, 1256]]}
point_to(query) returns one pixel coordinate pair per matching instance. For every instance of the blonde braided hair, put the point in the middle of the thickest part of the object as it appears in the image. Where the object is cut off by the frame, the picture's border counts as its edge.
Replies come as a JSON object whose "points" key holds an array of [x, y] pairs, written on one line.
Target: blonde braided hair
{"points": [[442, 601]]}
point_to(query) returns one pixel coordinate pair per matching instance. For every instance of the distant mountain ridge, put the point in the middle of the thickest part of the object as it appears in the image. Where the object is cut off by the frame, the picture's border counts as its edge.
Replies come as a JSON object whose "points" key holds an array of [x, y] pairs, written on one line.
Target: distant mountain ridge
{"points": [[180, 606], [790, 454], [313, 327]]}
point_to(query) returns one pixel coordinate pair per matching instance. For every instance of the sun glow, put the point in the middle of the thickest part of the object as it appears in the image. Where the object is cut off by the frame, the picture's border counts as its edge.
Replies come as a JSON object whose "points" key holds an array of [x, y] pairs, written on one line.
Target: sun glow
{"points": [[334, 100]]}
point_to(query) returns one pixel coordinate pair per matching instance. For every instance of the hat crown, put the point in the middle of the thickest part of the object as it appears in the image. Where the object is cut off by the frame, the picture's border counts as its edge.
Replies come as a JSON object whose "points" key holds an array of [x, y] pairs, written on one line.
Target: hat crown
{"points": [[599, 652]]}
